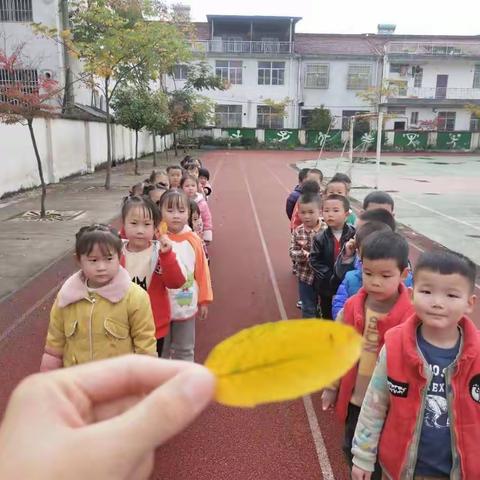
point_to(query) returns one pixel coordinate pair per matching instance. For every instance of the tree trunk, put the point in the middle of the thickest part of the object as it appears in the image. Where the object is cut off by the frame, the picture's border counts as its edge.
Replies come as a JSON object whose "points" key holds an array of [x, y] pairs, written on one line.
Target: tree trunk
{"points": [[40, 169], [154, 149], [175, 143], [136, 153], [109, 146], [165, 146]]}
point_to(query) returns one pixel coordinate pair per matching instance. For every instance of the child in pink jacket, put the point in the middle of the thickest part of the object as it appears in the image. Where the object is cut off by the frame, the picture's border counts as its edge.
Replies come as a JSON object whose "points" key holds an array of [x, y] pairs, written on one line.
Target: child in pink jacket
{"points": [[190, 186]]}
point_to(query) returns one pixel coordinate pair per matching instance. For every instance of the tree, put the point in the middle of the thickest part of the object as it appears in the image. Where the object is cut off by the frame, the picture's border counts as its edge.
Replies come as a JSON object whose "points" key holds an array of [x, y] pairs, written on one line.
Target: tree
{"points": [[23, 98], [131, 106], [156, 118], [321, 119], [373, 96], [116, 44]]}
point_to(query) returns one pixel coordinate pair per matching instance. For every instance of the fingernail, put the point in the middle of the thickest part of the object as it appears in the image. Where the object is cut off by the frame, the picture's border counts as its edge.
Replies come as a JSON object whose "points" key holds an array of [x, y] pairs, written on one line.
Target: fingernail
{"points": [[198, 385]]}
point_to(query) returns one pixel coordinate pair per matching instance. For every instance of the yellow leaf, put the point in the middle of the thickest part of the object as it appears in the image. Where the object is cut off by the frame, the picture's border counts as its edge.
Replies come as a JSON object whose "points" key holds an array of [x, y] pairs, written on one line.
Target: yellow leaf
{"points": [[282, 360], [163, 229]]}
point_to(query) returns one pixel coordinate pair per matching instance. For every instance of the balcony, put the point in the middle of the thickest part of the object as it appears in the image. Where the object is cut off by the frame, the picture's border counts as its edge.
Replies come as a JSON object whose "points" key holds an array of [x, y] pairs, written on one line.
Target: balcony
{"points": [[438, 93], [242, 47], [433, 49]]}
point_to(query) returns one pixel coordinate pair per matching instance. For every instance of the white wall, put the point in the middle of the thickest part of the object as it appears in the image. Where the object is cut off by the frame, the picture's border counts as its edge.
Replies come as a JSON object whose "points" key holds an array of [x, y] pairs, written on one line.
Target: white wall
{"points": [[66, 147]]}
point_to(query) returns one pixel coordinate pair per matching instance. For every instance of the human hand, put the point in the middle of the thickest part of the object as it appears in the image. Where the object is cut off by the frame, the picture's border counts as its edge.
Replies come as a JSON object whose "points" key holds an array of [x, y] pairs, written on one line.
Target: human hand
{"points": [[350, 248], [165, 243], [101, 420], [328, 398], [203, 312], [359, 474]]}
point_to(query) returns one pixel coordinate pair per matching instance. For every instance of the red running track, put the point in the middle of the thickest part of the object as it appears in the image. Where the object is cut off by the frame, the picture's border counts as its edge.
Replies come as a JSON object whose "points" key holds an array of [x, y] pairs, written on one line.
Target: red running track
{"points": [[252, 284]]}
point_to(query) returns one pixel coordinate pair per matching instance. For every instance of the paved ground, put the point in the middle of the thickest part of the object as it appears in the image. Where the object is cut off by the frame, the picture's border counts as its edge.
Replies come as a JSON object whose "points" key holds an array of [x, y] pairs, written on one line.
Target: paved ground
{"points": [[252, 283], [437, 196]]}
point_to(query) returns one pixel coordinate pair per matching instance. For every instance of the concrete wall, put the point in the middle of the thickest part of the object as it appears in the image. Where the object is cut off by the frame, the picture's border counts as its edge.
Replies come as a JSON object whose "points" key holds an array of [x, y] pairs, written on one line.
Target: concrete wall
{"points": [[66, 147]]}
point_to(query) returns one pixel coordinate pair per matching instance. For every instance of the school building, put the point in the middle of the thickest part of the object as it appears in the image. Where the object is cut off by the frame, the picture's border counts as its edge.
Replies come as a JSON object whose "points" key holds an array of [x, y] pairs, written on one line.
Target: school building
{"points": [[426, 80]]}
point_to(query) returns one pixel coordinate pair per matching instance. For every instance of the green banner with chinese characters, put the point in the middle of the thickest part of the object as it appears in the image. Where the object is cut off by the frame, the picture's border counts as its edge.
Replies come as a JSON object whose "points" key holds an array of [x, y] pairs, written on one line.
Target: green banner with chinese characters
{"points": [[366, 140], [317, 139], [282, 137], [239, 133], [411, 140], [454, 140]]}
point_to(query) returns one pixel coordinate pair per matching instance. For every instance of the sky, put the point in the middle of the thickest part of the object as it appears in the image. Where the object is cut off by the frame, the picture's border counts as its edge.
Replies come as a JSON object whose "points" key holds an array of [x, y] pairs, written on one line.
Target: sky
{"points": [[428, 17]]}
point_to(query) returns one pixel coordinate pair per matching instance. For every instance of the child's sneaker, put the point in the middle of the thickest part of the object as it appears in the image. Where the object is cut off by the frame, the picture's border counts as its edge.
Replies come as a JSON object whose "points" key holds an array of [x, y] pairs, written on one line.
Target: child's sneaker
{"points": [[299, 304]]}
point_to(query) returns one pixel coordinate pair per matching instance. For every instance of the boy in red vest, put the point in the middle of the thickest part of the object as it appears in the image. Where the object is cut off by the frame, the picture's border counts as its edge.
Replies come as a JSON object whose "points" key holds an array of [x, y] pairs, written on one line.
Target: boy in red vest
{"points": [[422, 407], [382, 303]]}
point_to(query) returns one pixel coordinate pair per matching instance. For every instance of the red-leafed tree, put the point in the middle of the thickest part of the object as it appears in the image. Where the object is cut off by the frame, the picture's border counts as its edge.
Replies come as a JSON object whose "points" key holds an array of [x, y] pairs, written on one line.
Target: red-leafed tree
{"points": [[24, 96]]}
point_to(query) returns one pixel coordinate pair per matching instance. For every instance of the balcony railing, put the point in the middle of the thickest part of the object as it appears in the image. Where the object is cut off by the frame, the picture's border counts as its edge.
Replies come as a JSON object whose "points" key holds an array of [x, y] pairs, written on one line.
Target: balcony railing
{"points": [[438, 93], [433, 49], [242, 47]]}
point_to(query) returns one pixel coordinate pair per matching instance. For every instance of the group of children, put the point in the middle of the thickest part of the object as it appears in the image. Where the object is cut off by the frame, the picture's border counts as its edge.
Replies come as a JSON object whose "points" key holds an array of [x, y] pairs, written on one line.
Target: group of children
{"points": [[139, 290], [411, 405]]}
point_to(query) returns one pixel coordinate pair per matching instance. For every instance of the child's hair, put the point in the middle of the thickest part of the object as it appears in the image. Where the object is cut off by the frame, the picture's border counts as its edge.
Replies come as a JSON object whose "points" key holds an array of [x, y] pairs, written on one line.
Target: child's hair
{"points": [[367, 229], [386, 246], [379, 215], [106, 237], [340, 198], [188, 177], [309, 197], [311, 186], [447, 263], [174, 167], [302, 174], [331, 182], [150, 210], [379, 197], [342, 177], [153, 175], [317, 171], [175, 199], [186, 159], [193, 209], [203, 172], [137, 187], [191, 166]]}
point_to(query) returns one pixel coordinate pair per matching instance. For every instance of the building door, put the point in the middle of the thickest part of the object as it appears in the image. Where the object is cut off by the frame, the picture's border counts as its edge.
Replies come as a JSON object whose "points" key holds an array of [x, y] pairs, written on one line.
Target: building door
{"points": [[441, 90]]}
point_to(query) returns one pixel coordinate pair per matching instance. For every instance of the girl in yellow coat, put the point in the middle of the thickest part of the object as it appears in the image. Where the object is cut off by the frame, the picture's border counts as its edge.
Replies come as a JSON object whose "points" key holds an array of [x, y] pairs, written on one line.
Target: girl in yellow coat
{"points": [[98, 313]]}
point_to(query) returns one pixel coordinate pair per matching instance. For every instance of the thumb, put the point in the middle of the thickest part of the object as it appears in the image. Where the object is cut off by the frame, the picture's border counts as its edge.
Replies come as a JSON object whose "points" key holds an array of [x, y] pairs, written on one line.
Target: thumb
{"points": [[167, 410]]}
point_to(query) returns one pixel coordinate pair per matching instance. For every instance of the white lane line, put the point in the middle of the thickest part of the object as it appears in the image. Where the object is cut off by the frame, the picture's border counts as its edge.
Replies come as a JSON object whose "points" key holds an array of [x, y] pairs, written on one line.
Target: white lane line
{"points": [[453, 219], [322, 454], [220, 163]]}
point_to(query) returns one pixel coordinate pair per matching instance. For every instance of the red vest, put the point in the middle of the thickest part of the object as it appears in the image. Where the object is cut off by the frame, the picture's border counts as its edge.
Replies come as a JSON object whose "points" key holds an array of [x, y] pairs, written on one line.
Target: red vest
{"points": [[407, 381], [354, 314]]}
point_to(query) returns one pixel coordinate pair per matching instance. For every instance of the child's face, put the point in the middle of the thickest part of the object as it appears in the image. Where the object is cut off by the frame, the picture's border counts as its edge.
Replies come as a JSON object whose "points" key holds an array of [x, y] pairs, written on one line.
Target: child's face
{"points": [[334, 214], [174, 177], [375, 206], [309, 214], [440, 301], [203, 181], [156, 195], [176, 217], [382, 277], [161, 178], [193, 171], [98, 268], [197, 222], [337, 188], [314, 176], [190, 188], [139, 228]]}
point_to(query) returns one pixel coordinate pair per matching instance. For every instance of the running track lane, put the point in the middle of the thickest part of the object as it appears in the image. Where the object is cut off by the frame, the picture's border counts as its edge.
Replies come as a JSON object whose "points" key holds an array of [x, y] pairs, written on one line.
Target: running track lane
{"points": [[268, 442]]}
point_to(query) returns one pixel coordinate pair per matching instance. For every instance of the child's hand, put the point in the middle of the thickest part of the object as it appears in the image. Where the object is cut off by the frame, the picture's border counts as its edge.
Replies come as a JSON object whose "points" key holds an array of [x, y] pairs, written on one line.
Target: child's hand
{"points": [[350, 248], [165, 244], [359, 474], [202, 312], [328, 398]]}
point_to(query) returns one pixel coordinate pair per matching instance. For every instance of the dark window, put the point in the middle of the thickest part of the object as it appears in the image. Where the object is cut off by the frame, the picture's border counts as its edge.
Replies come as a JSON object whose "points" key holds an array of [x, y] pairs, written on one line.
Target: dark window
{"points": [[414, 118], [180, 72], [26, 79], [271, 73], [446, 121], [228, 116], [347, 114], [16, 11], [266, 118]]}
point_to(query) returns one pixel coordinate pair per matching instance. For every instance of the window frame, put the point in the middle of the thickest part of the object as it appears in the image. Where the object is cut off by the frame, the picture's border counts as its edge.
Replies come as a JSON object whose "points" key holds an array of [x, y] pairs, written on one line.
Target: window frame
{"points": [[16, 11], [27, 77], [446, 126], [230, 73], [351, 75], [476, 76], [182, 68], [414, 118], [228, 114], [272, 117], [273, 74], [316, 84]]}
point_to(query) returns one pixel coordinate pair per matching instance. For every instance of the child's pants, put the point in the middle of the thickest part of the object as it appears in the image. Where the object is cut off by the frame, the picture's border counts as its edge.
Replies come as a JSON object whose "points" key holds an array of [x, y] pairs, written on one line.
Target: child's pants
{"points": [[350, 425], [180, 342], [308, 297], [326, 306]]}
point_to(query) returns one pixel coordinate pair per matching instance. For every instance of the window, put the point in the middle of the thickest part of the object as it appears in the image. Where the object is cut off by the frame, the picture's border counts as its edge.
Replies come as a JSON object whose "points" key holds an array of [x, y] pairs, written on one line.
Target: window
{"points": [[28, 79], [398, 68], [474, 123], [396, 110], [476, 77], [180, 72], [316, 76], [271, 73], [306, 116], [347, 114], [414, 118], [228, 116], [229, 70], [359, 77], [446, 121], [16, 11], [268, 119], [417, 77]]}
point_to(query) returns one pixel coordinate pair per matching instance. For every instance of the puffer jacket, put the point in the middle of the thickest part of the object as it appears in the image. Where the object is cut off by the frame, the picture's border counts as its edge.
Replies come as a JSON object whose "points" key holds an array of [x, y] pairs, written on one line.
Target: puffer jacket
{"points": [[88, 325], [292, 200]]}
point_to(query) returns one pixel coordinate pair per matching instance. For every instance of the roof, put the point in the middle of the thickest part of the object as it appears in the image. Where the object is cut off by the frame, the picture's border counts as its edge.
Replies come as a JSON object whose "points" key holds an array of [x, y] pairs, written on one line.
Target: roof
{"points": [[252, 17]]}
